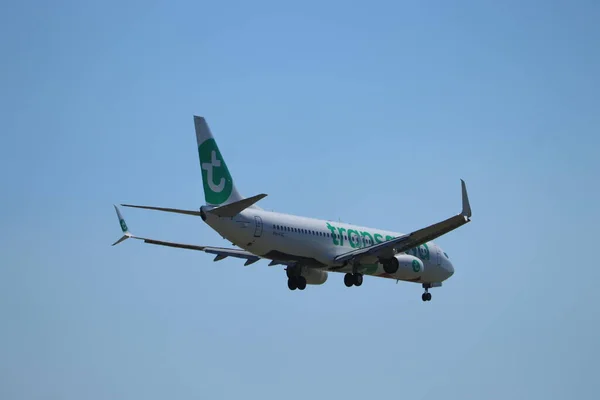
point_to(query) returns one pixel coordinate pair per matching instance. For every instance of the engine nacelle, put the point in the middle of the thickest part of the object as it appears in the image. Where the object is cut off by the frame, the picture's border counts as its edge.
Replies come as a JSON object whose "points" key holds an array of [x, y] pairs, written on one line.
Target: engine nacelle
{"points": [[409, 267], [314, 276]]}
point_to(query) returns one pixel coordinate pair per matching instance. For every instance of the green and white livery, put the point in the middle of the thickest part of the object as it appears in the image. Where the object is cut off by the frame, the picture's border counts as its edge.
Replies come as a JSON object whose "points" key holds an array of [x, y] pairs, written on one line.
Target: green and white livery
{"points": [[308, 248], [218, 184]]}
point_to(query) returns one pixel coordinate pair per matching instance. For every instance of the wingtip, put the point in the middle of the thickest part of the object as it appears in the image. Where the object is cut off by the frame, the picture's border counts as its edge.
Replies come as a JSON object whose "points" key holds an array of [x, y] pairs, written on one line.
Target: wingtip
{"points": [[126, 236], [122, 222], [466, 206], [124, 228]]}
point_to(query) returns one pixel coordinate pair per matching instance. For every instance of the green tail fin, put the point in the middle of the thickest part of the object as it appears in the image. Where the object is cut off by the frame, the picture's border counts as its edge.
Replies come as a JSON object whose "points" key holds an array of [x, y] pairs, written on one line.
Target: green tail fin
{"points": [[219, 188]]}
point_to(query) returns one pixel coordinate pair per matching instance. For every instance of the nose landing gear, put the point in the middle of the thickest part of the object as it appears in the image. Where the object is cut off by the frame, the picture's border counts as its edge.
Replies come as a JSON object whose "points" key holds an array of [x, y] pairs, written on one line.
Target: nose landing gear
{"points": [[426, 296]]}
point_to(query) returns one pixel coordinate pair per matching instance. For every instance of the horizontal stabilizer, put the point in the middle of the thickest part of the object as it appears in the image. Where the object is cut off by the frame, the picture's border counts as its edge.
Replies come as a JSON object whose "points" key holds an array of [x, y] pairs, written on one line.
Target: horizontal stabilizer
{"points": [[233, 209], [172, 210]]}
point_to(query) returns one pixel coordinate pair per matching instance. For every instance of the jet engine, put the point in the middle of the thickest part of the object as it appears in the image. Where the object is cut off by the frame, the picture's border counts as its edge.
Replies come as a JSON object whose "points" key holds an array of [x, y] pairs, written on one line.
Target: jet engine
{"points": [[314, 276], [404, 266]]}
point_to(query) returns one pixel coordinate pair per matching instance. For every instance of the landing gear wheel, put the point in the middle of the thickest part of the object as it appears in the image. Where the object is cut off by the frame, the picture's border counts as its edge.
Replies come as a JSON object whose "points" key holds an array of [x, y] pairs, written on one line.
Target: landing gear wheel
{"points": [[426, 296], [348, 280], [292, 283], [301, 282], [391, 266], [358, 279]]}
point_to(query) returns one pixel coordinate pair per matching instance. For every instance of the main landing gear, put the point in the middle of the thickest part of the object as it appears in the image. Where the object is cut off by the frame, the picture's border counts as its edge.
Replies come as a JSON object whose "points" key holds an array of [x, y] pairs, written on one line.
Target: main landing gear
{"points": [[295, 278], [355, 279], [297, 282]]}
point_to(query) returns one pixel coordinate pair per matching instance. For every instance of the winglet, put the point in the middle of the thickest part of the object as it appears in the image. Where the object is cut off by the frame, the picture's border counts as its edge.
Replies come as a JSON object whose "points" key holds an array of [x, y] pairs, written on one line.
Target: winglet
{"points": [[466, 207], [126, 233]]}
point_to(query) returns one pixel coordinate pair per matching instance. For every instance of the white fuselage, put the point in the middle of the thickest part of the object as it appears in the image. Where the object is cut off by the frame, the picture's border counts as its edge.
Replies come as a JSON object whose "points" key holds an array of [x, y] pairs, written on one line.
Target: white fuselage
{"points": [[277, 236]]}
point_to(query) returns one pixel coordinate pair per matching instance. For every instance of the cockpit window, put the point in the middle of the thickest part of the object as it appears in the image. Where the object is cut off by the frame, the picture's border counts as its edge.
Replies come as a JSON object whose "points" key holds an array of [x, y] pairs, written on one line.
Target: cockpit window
{"points": [[446, 255]]}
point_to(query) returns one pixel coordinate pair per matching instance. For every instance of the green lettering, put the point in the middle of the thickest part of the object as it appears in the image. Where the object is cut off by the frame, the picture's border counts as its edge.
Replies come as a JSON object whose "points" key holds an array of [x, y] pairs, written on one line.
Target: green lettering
{"points": [[388, 237], [378, 238], [365, 235], [332, 229], [341, 231], [351, 235]]}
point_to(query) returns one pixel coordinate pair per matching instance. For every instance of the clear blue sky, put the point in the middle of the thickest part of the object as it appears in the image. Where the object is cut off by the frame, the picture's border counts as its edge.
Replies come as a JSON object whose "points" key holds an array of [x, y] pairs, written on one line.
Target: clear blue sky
{"points": [[369, 112]]}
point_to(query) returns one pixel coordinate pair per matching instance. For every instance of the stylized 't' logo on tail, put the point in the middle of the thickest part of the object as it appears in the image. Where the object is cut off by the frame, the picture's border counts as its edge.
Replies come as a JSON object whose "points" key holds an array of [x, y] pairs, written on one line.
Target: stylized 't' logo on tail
{"points": [[208, 166]]}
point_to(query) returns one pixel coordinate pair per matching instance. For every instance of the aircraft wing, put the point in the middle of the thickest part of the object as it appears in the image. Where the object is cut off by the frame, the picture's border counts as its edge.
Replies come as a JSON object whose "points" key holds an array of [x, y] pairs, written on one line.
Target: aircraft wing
{"points": [[403, 243], [220, 252]]}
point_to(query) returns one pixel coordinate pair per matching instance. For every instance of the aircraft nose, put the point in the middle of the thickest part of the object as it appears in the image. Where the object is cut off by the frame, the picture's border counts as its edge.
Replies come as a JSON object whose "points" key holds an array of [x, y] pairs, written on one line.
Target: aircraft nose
{"points": [[450, 269]]}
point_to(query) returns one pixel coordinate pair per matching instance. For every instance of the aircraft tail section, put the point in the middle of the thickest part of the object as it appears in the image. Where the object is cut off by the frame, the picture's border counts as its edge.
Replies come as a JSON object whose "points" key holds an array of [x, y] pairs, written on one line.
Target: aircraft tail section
{"points": [[219, 188]]}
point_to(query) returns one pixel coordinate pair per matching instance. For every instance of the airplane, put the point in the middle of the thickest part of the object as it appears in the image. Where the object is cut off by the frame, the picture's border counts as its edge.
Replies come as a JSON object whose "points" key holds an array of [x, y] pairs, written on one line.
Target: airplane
{"points": [[308, 248]]}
